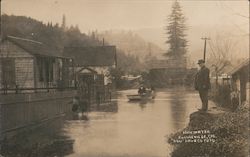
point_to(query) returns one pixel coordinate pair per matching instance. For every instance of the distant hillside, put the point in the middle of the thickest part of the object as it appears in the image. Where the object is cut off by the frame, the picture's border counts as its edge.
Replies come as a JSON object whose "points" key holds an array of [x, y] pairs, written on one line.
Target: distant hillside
{"points": [[57, 37], [230, 33], [131, 43], [52, 35]]}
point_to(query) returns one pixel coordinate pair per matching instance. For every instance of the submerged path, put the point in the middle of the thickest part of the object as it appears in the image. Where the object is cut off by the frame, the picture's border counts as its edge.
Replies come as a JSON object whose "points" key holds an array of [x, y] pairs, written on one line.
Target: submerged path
{"points": [[125, 129], [137, 129]]}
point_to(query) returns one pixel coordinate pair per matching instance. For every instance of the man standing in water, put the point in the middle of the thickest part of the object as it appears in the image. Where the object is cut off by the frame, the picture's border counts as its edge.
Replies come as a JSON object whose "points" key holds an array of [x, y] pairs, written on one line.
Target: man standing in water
{"points": [[202, 84]]}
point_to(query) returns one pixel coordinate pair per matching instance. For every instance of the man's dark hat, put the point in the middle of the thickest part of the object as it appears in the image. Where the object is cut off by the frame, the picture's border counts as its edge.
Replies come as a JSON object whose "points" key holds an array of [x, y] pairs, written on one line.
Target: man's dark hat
{"points": [[200, 61]]}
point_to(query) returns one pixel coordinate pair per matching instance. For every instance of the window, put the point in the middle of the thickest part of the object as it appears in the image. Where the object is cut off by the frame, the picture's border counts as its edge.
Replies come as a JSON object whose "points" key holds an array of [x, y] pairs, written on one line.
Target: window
{"points": [[40, 65], [45, 68], [9, 74]]}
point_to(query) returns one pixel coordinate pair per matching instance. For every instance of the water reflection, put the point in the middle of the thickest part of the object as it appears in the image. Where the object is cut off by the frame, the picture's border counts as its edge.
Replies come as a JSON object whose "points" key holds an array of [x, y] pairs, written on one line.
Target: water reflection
{"points": [[44, 141], [178, 108], [142, 104], [136, 129], [108, 107], [79, 116], [122, 129]]}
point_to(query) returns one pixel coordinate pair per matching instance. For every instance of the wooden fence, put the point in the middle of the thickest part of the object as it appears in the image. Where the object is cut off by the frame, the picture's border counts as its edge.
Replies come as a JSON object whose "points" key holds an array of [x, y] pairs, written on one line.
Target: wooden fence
{"points": [[20, 111]]}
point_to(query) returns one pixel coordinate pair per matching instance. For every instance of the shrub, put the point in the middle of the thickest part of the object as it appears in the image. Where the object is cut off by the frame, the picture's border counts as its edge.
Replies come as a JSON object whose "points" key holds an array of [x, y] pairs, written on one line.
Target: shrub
{"points": [[230, 129], [221, 95]]}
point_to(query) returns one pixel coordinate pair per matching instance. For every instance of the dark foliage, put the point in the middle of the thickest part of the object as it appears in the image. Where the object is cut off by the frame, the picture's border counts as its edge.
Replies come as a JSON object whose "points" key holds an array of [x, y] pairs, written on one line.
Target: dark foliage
{"points": [[231, 130], [58, 37], [116, 76], [221, 95], [176, 32], [50, 34]]}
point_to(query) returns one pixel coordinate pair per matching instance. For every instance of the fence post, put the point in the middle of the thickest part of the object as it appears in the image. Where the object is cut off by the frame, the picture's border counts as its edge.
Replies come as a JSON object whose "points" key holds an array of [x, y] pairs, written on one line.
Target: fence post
{"points": [[16, 89]]}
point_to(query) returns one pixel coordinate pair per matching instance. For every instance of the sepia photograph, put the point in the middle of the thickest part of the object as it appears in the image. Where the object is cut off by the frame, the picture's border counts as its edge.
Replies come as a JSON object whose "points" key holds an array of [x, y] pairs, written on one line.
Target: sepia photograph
{"points": [[124, 78]]}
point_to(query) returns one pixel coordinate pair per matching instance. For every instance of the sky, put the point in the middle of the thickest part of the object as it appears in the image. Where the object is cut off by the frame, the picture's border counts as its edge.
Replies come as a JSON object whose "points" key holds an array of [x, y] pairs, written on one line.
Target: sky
{"points": [[126, 14], [147, 17]]}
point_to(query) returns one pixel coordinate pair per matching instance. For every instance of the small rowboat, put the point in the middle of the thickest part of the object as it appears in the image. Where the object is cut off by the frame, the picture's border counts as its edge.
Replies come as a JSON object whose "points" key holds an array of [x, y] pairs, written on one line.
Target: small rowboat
{"points": [[135, 97], [138, 97]]}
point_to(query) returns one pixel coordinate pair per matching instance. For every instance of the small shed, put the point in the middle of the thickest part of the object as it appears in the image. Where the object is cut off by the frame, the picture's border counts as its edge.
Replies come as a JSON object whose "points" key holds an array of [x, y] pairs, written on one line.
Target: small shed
{"points": [[30, 65], [240, 81], [92, 66]]}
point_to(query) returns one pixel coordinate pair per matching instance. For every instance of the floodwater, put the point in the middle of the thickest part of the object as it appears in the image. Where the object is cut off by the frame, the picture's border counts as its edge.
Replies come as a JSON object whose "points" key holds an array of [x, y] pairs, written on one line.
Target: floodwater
{"points": [[126, 129], [136, 129]]}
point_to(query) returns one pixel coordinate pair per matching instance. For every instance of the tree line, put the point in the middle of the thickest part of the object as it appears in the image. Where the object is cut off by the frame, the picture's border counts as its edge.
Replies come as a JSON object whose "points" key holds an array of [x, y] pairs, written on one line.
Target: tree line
{"points": [[57, 36]]}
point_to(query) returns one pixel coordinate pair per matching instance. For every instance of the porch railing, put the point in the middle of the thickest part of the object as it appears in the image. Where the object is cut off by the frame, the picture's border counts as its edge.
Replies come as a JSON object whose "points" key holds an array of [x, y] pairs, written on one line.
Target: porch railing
{"points": [[18, 90]]}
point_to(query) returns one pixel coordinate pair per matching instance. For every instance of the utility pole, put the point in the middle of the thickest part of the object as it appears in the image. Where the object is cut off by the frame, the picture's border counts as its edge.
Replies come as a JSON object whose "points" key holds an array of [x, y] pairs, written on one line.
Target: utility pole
{"points": [[205, 44]]}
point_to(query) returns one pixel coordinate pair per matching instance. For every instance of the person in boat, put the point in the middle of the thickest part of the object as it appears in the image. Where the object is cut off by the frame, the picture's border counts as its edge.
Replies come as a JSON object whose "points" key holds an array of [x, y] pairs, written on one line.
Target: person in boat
{"points": [[142, 90]]}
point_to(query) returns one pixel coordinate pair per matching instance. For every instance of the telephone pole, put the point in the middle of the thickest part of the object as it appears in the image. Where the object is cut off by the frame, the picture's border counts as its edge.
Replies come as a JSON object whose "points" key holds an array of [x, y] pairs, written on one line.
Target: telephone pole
{"points": [[205, 44]]}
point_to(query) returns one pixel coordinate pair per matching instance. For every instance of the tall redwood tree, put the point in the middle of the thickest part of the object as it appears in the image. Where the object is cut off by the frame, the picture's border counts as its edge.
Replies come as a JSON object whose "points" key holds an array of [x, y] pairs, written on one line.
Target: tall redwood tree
{"points": [[176, 32]]}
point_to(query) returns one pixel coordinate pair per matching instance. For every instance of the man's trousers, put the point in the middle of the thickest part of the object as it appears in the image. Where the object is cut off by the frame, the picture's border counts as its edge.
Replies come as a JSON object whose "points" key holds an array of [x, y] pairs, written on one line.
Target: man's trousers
{"points": [[204, 99]]}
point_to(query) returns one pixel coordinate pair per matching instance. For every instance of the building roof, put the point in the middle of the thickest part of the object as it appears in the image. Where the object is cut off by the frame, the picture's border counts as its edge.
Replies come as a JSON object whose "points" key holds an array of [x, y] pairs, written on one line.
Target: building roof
{"points": [[131, 78], [34, 47], [92, 56], [86, 70], [240, 66]]}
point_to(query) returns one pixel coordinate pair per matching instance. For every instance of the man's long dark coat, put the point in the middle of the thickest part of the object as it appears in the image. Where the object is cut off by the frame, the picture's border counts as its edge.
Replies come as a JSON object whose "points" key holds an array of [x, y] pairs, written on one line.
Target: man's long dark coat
{"points": [[202, 84], [202, 81]]}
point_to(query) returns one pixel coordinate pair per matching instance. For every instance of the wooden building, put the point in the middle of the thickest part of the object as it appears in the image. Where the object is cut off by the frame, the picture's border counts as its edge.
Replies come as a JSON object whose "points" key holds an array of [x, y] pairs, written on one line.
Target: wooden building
{"points": [[33, 83], [28, 64], [240, 81], [169, 72], [180, 63], [92, 67]]}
